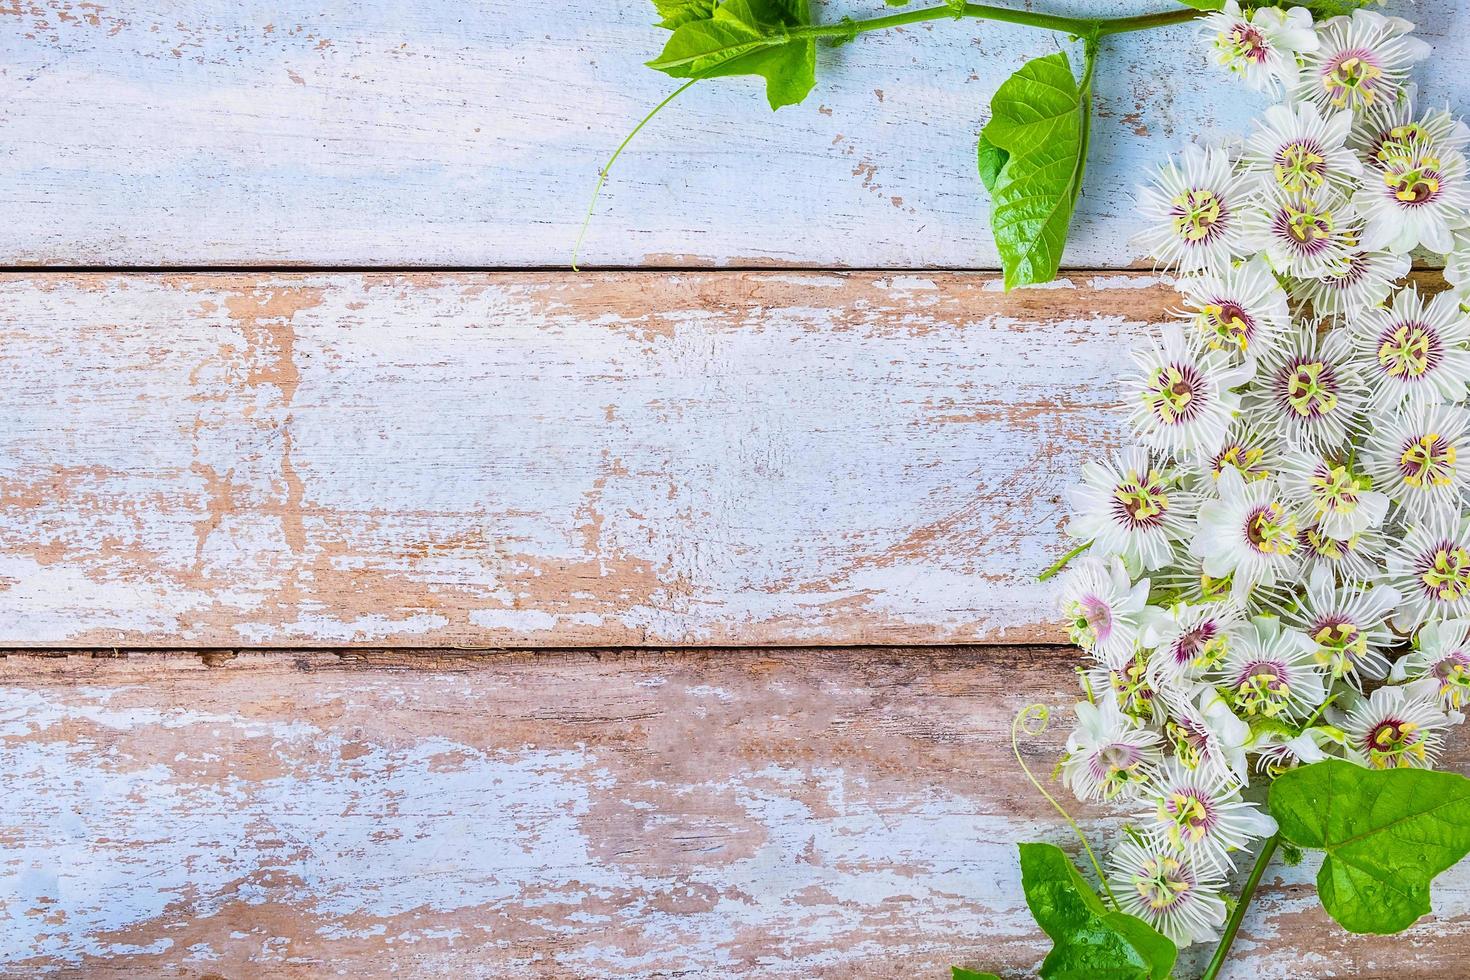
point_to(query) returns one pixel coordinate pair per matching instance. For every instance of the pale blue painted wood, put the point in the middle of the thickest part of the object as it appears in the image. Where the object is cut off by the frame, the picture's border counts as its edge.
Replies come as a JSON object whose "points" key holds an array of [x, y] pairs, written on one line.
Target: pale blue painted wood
{"points": [[422, 133]]}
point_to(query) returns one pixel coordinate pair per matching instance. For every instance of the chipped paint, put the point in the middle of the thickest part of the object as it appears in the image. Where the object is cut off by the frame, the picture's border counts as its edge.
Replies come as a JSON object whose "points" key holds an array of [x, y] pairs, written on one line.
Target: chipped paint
{"points": [[492, 460]]}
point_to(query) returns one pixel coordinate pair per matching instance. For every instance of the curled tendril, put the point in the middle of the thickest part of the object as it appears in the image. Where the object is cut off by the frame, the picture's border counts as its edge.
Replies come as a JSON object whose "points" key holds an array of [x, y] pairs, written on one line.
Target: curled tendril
{"points": [[1031, 721]]}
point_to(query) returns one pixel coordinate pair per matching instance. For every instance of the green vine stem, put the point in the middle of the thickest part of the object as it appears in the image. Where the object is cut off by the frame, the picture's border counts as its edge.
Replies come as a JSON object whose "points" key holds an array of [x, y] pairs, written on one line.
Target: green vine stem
{"points": [[1236, 917], [1089, 29], [1061, 562], [1033, 720]]}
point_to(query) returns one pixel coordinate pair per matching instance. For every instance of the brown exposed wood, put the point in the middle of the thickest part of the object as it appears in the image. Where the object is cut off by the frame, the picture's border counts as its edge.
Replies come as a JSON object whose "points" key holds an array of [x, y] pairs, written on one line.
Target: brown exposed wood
{"points": [[809, 813]]}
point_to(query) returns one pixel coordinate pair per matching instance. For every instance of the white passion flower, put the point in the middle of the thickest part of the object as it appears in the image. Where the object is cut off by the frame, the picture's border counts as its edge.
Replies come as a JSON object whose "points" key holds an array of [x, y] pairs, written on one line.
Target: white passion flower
{"points": [[1248, 534], [1357, 558], [1128, 508], [1439, 666], [1207, 735], [1164, 887], [1108, 757], [1361, 279], [1251, 451], [1129, 685], [1308, 234], [1310, 394], [1389, 132], [1395, 728], [1272, 673], [1178, 395], [1348, 627], [1295, 150], [1193, 211], [1430, 568], [1241, 310], [1360, 61], [1332, 494], [1260, 45], [1103, 607], [1414, 350], [1187, 641], [1200, 813], [1416, 197], [1418, 457]]}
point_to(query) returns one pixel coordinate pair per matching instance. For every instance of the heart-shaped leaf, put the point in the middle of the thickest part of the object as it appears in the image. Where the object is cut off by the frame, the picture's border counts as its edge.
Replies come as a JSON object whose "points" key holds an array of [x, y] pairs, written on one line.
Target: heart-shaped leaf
{"points": [[1386, 834], [1031, 157], [742, 37], [1090, 941]]}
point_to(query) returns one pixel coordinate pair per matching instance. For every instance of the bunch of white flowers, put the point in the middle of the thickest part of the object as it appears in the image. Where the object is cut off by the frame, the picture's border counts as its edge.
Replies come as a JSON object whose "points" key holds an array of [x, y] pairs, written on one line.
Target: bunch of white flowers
{"points": [[1279, 570]]}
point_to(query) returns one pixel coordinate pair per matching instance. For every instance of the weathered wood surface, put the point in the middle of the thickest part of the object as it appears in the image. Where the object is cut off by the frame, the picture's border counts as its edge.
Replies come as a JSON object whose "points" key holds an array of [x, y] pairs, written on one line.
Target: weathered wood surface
{"points": [[811, 813], [187, 132], [542, 459]]}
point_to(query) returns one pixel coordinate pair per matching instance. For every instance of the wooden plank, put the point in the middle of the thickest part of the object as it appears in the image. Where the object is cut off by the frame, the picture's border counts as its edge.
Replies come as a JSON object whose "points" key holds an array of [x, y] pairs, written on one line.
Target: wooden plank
{"points": [[187, 132], [822, 813], [545, 459]]}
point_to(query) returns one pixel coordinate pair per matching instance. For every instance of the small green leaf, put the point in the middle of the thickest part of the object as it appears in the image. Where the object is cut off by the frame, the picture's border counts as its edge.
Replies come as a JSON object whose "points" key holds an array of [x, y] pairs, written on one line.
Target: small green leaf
{"points": [[1386, 834], [959, 972], [1204, 4], [957, 6], [1039, 122], [900, 3], [1090, 941], [746, 37], [677, 13]]}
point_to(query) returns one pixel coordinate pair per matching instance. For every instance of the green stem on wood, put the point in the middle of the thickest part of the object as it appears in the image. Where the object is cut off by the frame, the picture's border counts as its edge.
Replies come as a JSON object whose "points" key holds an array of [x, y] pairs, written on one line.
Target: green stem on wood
{"points": [[1076, 26], [1233, 926], [1061, 562]]}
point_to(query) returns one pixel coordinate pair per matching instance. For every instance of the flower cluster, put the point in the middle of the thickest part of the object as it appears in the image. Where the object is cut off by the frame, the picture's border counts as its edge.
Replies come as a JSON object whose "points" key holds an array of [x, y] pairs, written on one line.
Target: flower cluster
{"points": [[1278, 570]]}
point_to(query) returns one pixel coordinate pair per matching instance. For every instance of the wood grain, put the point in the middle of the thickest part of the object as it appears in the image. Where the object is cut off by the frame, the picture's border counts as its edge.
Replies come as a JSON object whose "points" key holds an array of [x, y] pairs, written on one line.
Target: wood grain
{"points": [[544, 459], [815, 813], [370, 132]]}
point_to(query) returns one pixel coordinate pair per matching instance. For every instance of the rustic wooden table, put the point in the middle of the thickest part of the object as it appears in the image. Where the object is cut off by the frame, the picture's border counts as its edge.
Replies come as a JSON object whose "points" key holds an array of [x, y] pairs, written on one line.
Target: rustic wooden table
{"points": [[300, 409]]}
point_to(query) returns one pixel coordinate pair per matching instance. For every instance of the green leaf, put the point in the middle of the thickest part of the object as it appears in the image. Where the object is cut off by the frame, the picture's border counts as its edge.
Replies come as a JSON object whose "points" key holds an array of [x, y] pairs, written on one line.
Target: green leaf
{"points": [[746, 37], [1090, 941], [959, 972], [1039, 122], [1204, 4], [676, 13], [1386, 834]]}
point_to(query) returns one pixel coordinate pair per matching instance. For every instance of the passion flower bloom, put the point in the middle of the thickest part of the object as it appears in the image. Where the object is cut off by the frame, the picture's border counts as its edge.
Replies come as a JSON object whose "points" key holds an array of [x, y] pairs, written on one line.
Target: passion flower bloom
{"points": [[1359, 280], [1207, 735], [1201, 814], [1356, 558], [1272, 673], [1249, 534], [1360, 61], [1104, 608], [1186, 642], [1332, 493], [1348, 628], [1311, 394], [1430, 568], [1178, 396], [1440, 665], [1177, 895], [1193, 211], [1413, 351], [1296, 150], [1418, 457], [1129, 508], [1395, 728], [1307, 233], [1260, 46], [1415, 197], [1241, 310], [1109, 756]]}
